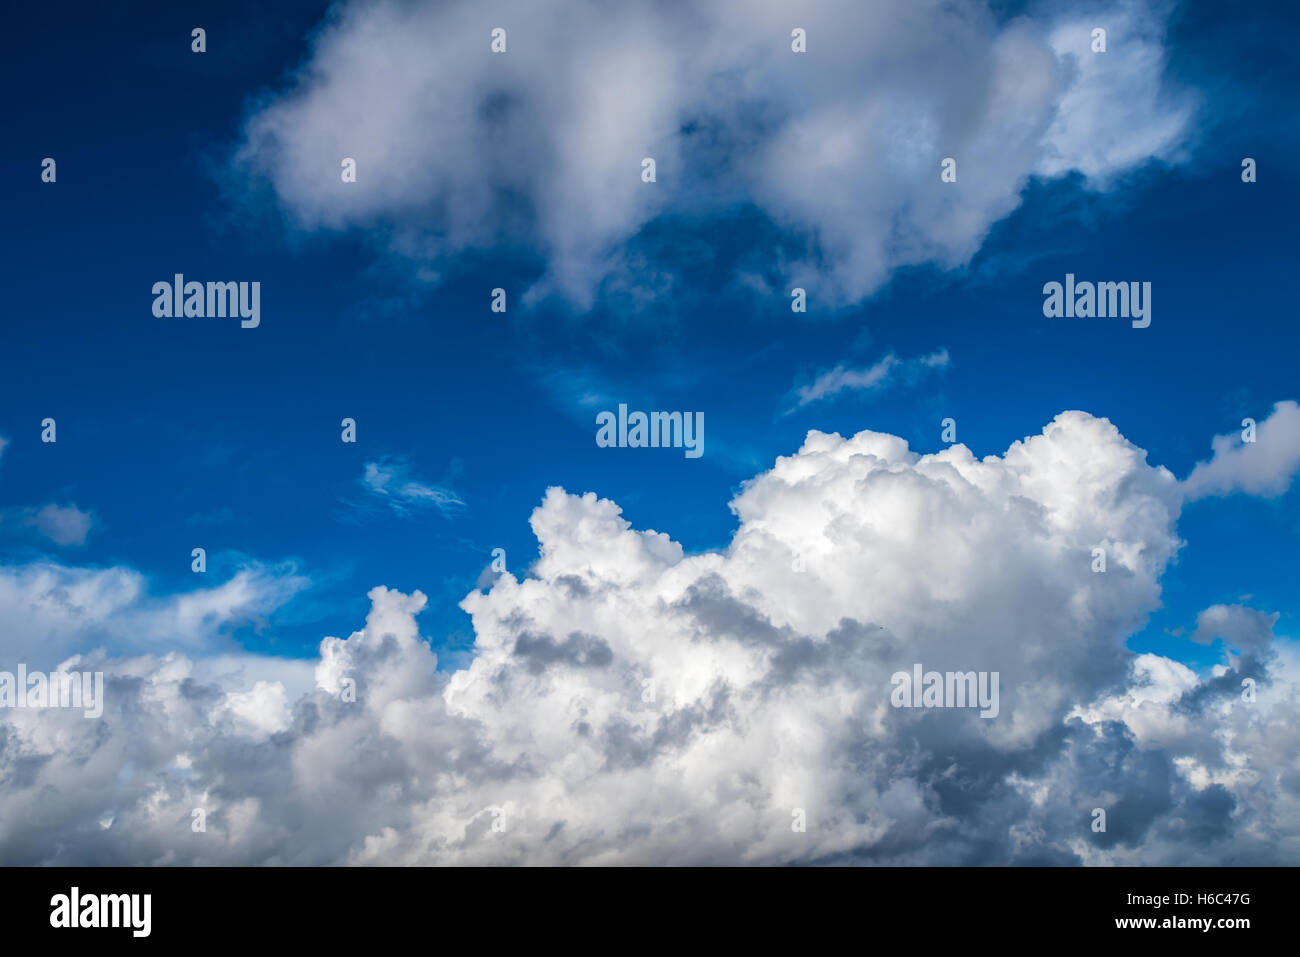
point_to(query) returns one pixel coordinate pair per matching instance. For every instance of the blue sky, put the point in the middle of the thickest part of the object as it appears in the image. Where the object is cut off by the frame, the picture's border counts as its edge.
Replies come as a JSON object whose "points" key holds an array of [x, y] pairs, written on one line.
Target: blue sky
{"points": [[522, 172], [177, 434]]}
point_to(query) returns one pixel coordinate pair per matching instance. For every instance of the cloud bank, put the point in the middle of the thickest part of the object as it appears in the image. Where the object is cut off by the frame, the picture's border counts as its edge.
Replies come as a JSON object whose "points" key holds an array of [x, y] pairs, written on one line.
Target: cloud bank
{"points": [[630, 703], [459, 149]]}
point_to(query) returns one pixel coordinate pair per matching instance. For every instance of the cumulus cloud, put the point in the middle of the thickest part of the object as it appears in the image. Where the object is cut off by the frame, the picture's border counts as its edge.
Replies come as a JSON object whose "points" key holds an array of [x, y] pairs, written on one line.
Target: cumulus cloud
{"points": [[258, 712], [1239, 626], [1233, 759], [631, 703], [459, 149], [64, 525], [1264, 467], [874, 378]]}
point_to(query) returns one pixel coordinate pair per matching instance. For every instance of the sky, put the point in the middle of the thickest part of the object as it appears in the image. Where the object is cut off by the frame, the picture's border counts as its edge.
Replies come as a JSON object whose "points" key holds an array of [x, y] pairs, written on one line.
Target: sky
{"points": [[828, 507]]}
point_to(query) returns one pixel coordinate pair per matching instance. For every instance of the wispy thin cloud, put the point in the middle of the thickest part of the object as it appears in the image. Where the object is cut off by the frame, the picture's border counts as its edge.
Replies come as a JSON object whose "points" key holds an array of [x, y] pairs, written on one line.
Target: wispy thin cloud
{"points": [[889, 371], [391, 481]]}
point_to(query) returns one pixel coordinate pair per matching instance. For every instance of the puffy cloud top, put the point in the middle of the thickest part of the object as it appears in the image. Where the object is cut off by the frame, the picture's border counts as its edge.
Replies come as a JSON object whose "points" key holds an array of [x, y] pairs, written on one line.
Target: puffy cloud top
{"points": [[628, 702], [459, 148]]}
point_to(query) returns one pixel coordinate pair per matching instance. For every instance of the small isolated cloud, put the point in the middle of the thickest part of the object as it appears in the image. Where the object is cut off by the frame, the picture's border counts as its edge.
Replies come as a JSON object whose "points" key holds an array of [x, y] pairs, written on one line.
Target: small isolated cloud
{"points": [[391, 482], [62, 524], [1109, 119], [890, 370], [1240, 627], [1263, 467]]}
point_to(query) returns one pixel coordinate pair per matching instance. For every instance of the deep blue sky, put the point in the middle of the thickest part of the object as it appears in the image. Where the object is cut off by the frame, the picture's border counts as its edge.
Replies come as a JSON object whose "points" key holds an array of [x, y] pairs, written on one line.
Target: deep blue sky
{"points": [[177, 434]]}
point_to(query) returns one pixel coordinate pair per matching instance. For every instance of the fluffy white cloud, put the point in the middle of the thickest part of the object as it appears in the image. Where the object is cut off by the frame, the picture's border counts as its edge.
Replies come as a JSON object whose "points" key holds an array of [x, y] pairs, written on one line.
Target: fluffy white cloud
{"points": [[50, 611], [1230, 749], [1265, 466], [460, 149], [262, 710], [631, 703]]}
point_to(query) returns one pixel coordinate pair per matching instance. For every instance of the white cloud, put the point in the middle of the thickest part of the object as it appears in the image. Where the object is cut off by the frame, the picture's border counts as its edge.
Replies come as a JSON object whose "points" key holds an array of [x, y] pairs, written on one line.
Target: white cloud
{"points": [[51, 610], [874, 378], [1264, 467], [631, 703], [1112, 115], [61, 524], [391, 482], [260, 711], [460, 149]]}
